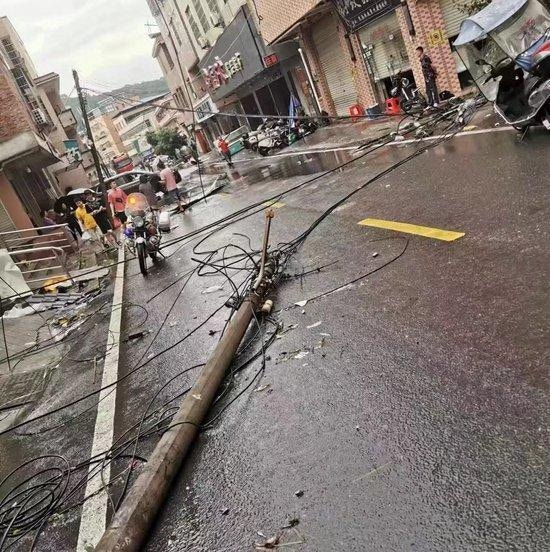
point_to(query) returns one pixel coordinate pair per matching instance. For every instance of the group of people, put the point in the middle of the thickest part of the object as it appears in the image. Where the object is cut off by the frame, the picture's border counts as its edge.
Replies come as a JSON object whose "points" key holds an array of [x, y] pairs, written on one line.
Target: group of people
{"points": [[87, 217]]}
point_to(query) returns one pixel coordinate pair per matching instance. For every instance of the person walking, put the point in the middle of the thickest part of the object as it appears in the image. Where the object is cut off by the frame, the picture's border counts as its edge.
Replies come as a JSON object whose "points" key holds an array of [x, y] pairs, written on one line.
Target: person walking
{"points": [[223, 146], [430, 77], [89, 225], [169, 180], [117, 200]]}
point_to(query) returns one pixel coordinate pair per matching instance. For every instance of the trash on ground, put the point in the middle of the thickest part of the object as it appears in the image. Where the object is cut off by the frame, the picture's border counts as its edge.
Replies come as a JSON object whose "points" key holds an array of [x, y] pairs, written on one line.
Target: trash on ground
{"points": [[225, 511], [213, 332], [375, 254], [18, 311], [469, 127], [211, 289], [299, 494], [292, 522], [317, 324], [301, 354], [325, 334], [301, 303], [262, 388]]}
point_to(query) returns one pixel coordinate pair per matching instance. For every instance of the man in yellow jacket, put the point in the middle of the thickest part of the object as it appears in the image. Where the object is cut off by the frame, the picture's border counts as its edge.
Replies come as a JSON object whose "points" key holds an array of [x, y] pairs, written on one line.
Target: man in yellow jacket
{"points": [[88, 223]]}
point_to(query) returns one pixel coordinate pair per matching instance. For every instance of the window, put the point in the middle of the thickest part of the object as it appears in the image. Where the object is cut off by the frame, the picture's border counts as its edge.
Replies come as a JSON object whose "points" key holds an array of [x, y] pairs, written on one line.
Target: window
{"points": [[167, 55], [205, 23], [193, 24], [213, 7], [176, 34]]}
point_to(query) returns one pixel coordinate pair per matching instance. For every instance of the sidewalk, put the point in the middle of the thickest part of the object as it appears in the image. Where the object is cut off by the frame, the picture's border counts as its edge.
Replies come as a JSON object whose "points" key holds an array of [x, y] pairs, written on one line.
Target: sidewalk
{"points": [[36, 330]]}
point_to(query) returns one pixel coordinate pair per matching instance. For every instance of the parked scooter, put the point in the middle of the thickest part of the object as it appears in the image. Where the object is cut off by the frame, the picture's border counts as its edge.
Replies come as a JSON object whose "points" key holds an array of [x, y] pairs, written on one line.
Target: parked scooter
{"points": [[274, 137], [506, 49], [411, 100], [142, 234]]}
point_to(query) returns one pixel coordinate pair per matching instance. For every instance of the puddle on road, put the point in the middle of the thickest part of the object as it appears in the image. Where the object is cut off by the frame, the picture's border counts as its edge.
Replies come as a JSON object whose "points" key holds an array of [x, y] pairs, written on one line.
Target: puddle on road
{"points": [[296, 165]]}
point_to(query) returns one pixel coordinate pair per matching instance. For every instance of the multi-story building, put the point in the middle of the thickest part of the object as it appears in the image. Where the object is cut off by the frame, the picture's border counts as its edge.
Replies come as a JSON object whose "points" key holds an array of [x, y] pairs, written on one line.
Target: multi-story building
{"points": [[212, 54], [40, 151], [351, 50], [132, 124], [106, 137]]}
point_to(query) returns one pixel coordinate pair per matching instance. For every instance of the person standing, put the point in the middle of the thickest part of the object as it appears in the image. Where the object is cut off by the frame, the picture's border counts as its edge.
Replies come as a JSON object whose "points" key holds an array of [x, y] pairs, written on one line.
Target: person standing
{"points": [[117, 200], [223, 146], [146, 189], [169, 180], [430, 76]]}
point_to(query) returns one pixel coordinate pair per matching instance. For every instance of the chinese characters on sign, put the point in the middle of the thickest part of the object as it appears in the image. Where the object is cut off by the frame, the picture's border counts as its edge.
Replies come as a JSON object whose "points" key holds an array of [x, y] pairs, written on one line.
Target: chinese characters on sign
{"points": [[271, 60], [358, 13], [219, 73]]}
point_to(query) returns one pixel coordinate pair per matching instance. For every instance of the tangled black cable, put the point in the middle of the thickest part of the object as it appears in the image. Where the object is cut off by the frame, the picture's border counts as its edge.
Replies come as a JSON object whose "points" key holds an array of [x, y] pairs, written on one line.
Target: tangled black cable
{"points": [[28, 504]]}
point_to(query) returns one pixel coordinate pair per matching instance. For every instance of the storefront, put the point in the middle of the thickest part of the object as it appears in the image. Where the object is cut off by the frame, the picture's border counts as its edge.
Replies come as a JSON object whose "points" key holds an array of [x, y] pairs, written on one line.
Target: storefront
{"points": [[452, 19], [383, 47], [243, 78], [333, 63], [384, 51]]}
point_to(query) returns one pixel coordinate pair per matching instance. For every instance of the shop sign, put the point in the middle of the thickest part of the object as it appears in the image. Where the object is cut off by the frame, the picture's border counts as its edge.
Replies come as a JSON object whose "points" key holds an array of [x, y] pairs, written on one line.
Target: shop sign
{"points": [[219, 73], [358, 13], [205, 110], [271, 60]]}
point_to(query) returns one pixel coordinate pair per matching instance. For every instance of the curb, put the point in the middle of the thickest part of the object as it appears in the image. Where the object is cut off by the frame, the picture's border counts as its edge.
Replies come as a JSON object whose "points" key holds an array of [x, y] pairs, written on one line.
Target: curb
{"points": [[93, 519]]}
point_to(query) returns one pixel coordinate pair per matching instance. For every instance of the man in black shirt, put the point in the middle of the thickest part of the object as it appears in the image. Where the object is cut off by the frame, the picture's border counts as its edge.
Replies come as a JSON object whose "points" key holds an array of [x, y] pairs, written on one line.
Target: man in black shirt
{"points": [[430, 76]]}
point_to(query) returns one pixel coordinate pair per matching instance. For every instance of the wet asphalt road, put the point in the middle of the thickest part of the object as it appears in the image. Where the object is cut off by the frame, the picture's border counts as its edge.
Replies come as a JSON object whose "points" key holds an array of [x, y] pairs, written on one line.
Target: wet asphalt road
{"points": [[419, 419]]}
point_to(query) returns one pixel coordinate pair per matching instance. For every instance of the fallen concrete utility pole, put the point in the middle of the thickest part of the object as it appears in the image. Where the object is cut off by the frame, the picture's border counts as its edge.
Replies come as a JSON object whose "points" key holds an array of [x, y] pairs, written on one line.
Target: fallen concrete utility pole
{"points": [[131, 523]]}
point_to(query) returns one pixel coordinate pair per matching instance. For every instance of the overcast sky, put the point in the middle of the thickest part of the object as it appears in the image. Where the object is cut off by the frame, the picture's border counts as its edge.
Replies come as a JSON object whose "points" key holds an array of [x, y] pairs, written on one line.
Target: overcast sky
{"points": [[105, 40]]}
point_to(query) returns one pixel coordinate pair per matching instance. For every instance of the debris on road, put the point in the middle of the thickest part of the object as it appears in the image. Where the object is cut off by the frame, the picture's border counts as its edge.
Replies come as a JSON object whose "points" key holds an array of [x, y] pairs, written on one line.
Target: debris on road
{"points": [[299, 494], [225, 511], [374, 255], [301, 303], [211, 289], [316, 325], [262, 388], [301, 354]]}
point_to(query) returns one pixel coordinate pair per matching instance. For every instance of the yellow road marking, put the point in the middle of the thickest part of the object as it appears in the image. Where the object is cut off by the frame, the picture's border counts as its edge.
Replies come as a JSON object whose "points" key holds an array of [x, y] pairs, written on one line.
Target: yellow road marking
{"points": [[426, 231], [274, 205]]}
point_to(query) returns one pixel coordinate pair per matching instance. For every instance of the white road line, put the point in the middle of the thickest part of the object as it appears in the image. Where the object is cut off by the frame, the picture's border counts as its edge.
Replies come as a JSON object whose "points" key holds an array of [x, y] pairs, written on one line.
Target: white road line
{"points": [[463, 133], [93, 520]]}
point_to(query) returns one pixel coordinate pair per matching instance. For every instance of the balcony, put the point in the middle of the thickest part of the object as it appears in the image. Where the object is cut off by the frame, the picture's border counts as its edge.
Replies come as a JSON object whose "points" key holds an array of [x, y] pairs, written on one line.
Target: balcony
{"points": [[67, 119]]}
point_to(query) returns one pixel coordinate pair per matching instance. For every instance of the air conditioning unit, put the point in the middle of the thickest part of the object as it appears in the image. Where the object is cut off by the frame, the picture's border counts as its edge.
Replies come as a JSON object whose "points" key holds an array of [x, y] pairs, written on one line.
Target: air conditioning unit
{"points": [[216, 20], [40, 117], [203, 42]]}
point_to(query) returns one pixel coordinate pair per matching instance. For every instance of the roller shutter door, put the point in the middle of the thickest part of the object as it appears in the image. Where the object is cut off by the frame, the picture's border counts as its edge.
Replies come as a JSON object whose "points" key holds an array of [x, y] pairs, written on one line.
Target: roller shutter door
{"points": [[385, 48], [6, 224], [333, 62], [452, 17]]}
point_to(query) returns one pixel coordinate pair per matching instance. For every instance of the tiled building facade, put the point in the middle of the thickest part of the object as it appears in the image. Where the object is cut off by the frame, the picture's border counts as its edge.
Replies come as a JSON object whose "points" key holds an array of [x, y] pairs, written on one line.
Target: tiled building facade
{"points": [[420, 22]]}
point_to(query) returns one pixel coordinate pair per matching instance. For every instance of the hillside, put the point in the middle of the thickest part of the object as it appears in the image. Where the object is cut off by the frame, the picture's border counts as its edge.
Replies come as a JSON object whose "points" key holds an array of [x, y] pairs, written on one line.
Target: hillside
{"points": [[141, 89]]}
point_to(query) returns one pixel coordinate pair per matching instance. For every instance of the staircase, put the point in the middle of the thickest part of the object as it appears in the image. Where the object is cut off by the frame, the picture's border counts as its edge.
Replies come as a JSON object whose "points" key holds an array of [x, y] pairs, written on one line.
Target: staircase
{"points": [[40, 257]]}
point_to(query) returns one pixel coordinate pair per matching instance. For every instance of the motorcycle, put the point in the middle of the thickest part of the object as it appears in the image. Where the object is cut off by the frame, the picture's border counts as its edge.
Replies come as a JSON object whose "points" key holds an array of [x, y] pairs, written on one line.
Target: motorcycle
{"points": [[506, 49], [142, 235], [274, 137], [411, 101]]}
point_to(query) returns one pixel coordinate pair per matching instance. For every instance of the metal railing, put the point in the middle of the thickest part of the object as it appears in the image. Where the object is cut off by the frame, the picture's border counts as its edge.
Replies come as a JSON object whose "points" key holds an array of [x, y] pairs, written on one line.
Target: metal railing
{"points": [[55, 235], [59, 256]]}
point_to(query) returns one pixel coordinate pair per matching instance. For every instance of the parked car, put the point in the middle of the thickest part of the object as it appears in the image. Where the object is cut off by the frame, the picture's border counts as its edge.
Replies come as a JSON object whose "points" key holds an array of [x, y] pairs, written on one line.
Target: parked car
{"points": [[129, 181]]}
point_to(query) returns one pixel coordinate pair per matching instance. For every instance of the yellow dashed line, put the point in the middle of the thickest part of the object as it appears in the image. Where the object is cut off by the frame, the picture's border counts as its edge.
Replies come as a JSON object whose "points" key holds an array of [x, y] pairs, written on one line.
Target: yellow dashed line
{"points": [[426, 231]]}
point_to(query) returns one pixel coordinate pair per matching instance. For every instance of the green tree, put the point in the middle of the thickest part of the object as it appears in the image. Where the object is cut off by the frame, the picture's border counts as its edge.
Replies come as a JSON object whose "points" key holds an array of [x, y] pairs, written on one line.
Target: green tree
{"points": [[470, 7], [165, 141]]}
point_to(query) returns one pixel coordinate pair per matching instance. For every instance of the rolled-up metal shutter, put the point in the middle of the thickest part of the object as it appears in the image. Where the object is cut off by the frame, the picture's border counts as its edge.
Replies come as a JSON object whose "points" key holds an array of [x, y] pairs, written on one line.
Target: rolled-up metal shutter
{"points": [[452, 17], [6, 224], [384, 47], [333, 62]]}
